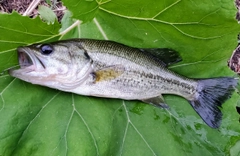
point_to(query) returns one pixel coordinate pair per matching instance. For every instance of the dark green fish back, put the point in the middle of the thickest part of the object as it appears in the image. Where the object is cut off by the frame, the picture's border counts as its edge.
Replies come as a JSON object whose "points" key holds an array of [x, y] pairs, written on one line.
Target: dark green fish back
{"points": [[141, 57]]}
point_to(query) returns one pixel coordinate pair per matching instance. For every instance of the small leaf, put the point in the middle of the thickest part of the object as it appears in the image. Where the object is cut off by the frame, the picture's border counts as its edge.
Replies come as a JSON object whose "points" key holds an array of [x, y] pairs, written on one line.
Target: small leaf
{"points": [[48, 2], [47, 14]]}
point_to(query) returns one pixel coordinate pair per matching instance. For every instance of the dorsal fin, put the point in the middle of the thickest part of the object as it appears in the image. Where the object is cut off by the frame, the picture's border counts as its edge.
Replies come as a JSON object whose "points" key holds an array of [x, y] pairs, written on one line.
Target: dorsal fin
{"points": [[165, 55]]}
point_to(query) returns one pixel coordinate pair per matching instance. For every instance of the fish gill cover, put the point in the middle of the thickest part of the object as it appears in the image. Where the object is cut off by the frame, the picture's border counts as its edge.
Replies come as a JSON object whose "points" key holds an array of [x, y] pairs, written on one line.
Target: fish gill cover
{"points": [[36, 120]]}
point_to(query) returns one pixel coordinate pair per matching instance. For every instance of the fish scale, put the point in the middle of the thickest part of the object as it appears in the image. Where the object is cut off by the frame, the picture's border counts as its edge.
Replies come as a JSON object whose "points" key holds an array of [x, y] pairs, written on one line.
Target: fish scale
{"points": [[163, 80], [108, 47]]}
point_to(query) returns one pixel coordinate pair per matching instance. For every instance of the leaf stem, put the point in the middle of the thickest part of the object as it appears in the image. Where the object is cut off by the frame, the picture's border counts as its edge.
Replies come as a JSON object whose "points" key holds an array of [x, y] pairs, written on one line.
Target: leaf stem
{"points": [[31, 7], [78, 22], [100, 29], [6, 70]]}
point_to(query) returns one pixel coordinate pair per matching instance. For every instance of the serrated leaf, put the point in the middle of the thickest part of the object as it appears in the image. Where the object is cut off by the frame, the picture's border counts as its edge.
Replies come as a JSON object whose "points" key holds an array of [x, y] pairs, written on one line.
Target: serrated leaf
{"points": [[43, 121], [17, 30], [86, 9]]}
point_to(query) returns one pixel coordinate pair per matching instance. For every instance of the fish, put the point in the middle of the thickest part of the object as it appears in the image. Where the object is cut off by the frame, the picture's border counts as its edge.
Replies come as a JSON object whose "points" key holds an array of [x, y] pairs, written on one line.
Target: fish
{"points": [[113, 70]]}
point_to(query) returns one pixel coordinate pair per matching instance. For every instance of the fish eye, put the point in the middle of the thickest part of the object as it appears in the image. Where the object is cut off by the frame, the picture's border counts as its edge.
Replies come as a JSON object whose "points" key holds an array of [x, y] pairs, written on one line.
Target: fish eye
{"points": [[46, 49]]}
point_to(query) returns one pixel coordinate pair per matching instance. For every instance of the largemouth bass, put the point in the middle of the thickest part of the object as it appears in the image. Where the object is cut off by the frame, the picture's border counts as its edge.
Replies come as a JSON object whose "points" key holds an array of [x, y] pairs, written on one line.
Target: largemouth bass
{"points": [[112, 70]]}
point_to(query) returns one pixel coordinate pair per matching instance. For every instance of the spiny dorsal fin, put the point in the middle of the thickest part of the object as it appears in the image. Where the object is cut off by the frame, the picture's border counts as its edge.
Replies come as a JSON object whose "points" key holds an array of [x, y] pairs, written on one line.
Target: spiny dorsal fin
{"points": [[165, 55]]}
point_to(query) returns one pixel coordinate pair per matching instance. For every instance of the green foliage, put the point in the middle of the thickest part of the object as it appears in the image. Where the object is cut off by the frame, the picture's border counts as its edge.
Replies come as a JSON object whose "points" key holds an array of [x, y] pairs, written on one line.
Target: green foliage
{"points": [[38, 120], [46, 14], [18, 31]]}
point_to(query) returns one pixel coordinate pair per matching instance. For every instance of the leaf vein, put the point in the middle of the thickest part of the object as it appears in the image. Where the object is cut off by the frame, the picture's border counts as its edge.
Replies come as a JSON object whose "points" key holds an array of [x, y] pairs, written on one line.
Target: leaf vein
{"points": [[126, 129], [165, 22], [26, 33], [88, 128], [3, 102], [101, 3], [134, 127], [37, 115], [165, 9], [67, 127], [8, 86], [192, 36]]}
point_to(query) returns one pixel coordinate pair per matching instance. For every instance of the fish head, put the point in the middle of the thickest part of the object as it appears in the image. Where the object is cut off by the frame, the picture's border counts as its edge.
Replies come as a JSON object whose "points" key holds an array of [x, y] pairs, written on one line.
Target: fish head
{"points": [[58, 65]]}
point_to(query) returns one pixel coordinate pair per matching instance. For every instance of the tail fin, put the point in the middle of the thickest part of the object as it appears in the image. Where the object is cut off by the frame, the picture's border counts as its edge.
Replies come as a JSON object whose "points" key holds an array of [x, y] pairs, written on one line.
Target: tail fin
{"points": [[211, 94]]}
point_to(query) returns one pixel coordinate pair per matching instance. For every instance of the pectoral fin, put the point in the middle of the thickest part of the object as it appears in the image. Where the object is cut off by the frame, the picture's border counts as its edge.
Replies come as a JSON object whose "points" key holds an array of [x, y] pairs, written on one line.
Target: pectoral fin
{"points": [[156, 101], [165, 55], [108, 73]]}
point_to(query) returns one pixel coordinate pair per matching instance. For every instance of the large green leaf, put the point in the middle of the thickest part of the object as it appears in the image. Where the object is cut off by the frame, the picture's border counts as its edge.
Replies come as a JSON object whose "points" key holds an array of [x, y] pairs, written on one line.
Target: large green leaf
{"points": [[41, 121], [17, 31]]}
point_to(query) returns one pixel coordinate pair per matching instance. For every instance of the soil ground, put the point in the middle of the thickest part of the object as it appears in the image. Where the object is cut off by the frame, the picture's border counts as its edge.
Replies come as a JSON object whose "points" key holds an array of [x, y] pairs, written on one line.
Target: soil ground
{"points": [[8, 6]]}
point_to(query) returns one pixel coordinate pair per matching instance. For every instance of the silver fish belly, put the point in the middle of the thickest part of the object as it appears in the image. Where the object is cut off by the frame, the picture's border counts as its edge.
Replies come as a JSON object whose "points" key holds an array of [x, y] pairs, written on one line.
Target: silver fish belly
{"points": [[109, 69]]}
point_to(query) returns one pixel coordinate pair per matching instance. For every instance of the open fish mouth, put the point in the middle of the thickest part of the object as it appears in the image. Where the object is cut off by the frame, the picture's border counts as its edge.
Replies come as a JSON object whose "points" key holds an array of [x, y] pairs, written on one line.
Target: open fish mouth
{"points": [[28, 60], [24, 59]]}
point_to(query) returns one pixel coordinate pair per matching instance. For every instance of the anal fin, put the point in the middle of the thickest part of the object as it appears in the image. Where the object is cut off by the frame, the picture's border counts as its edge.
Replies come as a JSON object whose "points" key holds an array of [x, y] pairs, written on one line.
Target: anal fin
{"points": [[156, 101]]}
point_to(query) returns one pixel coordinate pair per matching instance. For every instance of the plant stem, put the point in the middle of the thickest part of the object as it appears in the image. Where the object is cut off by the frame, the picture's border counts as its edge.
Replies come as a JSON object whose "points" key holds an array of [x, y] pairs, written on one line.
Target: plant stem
{"points": [[31, 7]]}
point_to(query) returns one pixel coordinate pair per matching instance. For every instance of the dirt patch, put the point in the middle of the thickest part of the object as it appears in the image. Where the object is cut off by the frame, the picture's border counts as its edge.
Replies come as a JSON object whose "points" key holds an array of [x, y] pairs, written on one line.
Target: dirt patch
{"points": [[8, 6], [237, 2]]}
